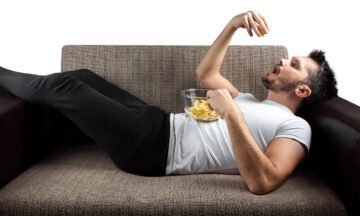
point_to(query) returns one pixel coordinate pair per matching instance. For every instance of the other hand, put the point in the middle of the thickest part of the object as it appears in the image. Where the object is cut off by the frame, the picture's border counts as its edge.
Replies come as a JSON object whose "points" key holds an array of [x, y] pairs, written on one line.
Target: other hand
{"points": [[220, 100], [252, 21]]}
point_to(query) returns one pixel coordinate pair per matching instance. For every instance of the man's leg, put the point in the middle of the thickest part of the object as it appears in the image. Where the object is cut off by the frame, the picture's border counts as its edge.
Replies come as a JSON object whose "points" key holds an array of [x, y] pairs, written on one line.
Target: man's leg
{"points": [[135, 139], [107, 88]]}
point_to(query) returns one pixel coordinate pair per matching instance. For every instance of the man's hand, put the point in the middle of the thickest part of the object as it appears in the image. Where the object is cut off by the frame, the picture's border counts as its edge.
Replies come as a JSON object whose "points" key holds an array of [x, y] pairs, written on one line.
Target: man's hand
{"points": [[221, 101], [251, 20], [208, 71]]}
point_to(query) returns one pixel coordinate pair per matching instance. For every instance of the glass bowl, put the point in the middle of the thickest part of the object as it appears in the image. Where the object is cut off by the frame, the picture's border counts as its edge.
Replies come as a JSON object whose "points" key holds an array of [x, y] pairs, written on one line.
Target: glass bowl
{"points": [[196, 106]]}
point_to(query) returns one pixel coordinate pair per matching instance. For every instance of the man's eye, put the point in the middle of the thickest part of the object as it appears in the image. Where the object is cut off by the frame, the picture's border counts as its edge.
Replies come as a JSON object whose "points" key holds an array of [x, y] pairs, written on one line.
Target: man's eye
{"points": [[293, 65]]}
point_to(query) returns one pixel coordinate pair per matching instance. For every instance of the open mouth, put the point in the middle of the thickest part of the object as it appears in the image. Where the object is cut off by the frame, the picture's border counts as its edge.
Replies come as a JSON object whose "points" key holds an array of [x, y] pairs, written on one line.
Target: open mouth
{"points": [[275, 70]]}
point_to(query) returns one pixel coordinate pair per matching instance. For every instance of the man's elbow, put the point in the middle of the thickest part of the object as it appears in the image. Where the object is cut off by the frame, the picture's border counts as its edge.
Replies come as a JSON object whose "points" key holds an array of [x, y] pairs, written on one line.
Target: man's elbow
{"points": [[200, 72], [261, 188]]}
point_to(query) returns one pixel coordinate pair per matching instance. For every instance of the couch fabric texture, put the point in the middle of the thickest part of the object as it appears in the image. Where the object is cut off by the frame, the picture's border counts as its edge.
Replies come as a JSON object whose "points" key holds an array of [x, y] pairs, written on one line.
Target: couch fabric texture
{"points": [[79, 179]]}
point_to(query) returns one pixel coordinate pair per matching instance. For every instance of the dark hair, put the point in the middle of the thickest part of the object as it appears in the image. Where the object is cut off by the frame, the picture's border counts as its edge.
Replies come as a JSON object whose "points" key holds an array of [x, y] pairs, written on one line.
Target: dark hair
{"points": [[322, 82]]}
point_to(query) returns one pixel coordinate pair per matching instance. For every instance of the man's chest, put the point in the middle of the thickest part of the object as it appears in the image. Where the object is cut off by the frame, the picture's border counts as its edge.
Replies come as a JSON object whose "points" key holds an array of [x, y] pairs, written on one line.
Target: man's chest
{"points": [[263, 121]]}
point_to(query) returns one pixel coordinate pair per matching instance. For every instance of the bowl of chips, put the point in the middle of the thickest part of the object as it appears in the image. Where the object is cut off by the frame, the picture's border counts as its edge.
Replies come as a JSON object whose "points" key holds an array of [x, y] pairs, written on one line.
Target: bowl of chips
{"points": [[196, 105]]}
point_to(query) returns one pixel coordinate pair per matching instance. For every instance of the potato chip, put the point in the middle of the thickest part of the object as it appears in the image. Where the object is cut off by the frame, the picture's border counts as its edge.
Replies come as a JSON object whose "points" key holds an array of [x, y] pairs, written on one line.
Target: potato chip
{"points": [[201, 110], [262, 33]]}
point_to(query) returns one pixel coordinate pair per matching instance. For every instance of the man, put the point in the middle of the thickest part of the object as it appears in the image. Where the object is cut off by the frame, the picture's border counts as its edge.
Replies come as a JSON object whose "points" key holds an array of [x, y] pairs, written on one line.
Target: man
{"points": [[144, 140], [291, 84]]}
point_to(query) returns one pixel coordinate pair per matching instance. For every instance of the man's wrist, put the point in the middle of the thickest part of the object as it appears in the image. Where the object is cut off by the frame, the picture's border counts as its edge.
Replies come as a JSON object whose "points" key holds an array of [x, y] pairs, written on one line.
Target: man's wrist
{"points": [[231, 25], [231, 111]]}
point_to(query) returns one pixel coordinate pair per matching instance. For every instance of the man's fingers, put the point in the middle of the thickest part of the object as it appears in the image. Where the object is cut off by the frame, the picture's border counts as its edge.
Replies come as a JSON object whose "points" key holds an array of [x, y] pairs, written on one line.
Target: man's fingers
{"points": [[209, 93], [212, 93], [253, 21], [248, 27], [264, 20], [254, 26], [261, 26]]}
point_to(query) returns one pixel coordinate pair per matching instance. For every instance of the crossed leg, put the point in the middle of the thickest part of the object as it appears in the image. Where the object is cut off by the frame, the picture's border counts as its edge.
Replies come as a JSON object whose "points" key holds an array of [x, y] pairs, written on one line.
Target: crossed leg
{"points": [[135, 135]]}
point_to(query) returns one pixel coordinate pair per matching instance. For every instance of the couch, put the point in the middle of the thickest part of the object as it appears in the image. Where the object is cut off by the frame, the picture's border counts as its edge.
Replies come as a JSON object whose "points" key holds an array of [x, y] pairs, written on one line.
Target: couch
{"points": [[48, 167]]}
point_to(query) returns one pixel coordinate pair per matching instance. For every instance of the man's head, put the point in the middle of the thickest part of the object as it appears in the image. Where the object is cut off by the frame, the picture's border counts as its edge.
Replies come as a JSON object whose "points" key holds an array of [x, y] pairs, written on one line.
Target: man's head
{"points": [[308, 78]]}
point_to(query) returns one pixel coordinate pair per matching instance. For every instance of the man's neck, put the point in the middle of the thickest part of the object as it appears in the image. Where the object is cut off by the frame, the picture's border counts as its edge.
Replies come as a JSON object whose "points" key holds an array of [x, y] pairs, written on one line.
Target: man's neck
{"points": [[282, 98]]}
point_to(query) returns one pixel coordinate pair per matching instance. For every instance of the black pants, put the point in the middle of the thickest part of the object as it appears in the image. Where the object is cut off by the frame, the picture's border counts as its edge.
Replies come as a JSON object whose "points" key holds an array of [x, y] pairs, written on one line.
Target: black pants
{"points": [[134, 134]]}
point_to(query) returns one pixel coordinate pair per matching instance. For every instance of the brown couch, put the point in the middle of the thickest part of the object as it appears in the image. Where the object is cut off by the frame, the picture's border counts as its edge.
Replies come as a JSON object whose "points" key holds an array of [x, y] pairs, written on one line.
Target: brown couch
{"points": [[48, 167]]}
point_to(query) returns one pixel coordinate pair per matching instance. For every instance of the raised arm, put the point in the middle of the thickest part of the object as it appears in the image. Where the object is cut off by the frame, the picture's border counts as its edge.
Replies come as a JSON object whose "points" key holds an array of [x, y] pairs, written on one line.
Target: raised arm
{"points": [[208, 71]]}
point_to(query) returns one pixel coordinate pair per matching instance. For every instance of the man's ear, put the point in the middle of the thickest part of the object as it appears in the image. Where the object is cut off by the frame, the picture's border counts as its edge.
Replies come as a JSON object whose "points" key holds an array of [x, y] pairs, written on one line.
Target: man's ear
{"points": [[302, 91]]}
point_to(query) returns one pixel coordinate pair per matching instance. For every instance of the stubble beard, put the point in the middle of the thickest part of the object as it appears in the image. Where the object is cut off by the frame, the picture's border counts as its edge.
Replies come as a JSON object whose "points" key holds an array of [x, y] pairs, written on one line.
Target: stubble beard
{"points": [[283, 84]]}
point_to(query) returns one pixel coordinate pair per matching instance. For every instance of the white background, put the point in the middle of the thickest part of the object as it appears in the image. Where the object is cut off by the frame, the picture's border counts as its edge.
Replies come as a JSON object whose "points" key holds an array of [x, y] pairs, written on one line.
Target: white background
{"points": [[32, 33]]}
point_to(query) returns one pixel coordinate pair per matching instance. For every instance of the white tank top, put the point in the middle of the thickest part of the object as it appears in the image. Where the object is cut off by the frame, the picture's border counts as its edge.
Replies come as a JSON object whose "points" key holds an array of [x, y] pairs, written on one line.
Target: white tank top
{"points": [[205, 147]]}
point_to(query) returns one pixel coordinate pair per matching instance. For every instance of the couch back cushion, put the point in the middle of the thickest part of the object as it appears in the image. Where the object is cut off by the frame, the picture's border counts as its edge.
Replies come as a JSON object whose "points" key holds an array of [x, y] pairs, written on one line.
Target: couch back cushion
{"points": [[157, 74]]}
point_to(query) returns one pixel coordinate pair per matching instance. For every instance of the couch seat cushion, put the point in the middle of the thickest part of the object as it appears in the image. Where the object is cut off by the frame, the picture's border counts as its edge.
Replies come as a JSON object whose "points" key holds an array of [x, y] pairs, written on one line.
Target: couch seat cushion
{"points": [[82, 180]]}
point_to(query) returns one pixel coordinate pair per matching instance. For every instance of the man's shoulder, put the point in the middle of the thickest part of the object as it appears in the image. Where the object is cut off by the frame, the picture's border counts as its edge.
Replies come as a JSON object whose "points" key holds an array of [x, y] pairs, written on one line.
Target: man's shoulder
{"points": [[296, 122]]}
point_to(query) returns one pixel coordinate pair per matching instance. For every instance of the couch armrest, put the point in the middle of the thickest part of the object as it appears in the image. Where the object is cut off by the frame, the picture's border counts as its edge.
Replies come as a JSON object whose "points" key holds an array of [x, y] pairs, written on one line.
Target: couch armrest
{"points": [[24, 136], [12, 135], [335, 148]]}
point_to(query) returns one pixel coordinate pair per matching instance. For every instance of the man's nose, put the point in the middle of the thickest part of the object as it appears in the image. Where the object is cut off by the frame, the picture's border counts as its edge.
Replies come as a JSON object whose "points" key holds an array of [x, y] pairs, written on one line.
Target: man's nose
{"points": [[283, 62]]}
